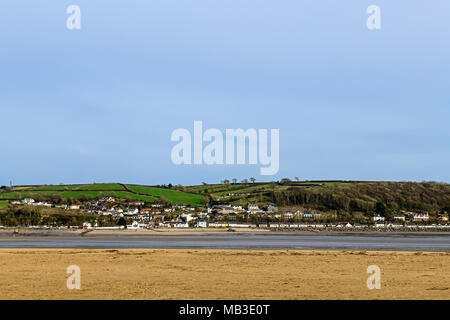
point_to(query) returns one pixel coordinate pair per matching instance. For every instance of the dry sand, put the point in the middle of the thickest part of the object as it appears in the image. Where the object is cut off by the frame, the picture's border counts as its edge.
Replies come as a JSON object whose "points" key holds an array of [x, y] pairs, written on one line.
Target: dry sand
{"points": [[222, 274]]}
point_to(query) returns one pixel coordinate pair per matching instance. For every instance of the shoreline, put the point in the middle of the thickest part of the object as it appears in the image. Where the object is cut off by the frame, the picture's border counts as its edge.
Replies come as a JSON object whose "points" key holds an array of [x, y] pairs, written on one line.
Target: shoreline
{"points": [[223, 240], [217, 231]]}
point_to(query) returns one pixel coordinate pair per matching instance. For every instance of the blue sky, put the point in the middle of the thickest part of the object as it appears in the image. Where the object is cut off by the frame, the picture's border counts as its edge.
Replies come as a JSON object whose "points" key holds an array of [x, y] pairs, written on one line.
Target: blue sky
{"points": [[100, 103]]}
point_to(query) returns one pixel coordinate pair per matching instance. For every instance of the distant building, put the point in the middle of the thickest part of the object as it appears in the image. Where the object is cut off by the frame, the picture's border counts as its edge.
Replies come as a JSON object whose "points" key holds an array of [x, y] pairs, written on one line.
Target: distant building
{"points": [[418, 217], [28, 201], [223, 209], [132, 211], [307, 215], [378, 218], [238, 208], [288, 214], [203, 214], [181, 225], [202, 224], [87, 225], [253, 208], [137, 203], [187, 216], [107, 199], [317, 215]]}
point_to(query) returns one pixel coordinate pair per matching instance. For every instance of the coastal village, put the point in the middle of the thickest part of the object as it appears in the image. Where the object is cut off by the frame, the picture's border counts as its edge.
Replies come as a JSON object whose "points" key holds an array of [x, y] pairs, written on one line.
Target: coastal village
{"points": [[139, 214]]}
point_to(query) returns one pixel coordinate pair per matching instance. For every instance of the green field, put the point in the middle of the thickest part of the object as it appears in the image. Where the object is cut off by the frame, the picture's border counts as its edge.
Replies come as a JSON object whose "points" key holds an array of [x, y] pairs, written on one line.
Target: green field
{"points": [[88, 187], [18, 195], [144, 193], [74, 194], [3, 204], [46, 188], [124, 194], [103, 186], [173, 196], [216, 188]]}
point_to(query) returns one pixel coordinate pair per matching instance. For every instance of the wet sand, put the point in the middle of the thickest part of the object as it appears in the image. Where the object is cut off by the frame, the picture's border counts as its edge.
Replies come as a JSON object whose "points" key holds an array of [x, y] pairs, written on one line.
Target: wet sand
{"points": [[222, 274], [126, 232], [300, 240]]}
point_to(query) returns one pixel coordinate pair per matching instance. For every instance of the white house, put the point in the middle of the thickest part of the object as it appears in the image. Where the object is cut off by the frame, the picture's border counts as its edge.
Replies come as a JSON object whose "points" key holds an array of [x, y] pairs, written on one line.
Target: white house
{"points": [[222, 209], [136, 225], [377, 217], [419, 217], [252, 208], [132, 211], [317, 215], [307, 215], [28, 201], [239, 225], [203, 214], [187, 216], [137, 203], [87, 225], [202, 224], [288, 214], [218, 224], [107, 199], [399, 217], [181, 225]]}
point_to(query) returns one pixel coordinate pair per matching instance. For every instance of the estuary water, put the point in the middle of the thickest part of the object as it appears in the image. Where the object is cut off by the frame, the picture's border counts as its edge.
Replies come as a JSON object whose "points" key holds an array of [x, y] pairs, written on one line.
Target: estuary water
{"points": [[423, 242]]}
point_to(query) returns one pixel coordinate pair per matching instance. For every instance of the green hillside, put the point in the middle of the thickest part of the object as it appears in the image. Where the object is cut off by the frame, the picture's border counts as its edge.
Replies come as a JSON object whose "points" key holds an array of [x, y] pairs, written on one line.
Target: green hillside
{"points": [[173, 196], [3, 204], [87, 187], [345, 196], [96, 191], [348, 196]]}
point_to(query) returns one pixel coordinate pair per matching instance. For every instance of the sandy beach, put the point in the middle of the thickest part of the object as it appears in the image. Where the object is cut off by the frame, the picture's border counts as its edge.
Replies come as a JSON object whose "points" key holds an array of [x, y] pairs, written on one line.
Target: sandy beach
{"points": [[222, 274]]}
